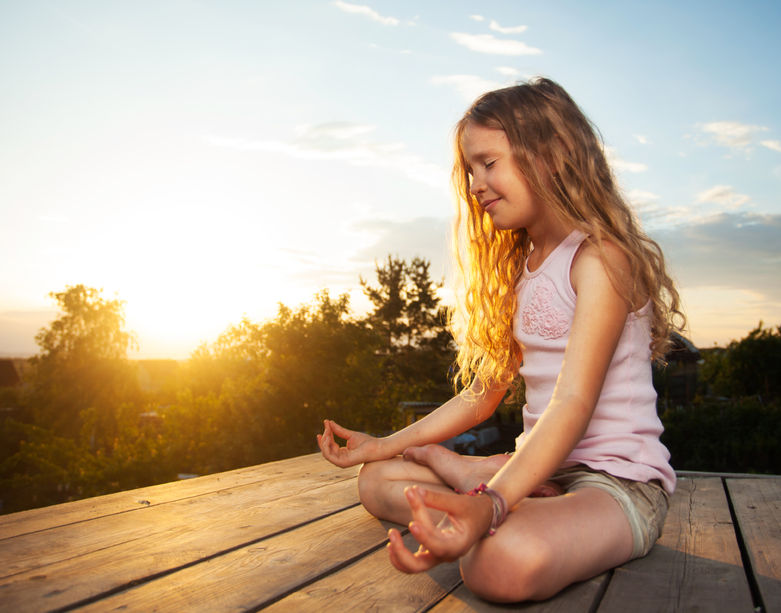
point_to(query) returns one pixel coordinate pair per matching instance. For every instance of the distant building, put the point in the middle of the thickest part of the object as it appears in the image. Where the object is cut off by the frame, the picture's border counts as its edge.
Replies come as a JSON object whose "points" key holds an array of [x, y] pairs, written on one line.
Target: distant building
{"points": [[676, 383]]}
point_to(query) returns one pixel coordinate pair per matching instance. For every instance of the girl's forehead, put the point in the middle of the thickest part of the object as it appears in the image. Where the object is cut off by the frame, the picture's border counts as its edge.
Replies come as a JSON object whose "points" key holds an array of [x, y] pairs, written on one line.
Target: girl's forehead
{"points": [[477, 140]]}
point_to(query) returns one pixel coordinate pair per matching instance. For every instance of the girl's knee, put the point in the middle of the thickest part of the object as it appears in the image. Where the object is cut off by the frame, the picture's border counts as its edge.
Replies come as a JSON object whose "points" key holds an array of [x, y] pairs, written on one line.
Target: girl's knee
{"points": [[368, 478], [373, 487], [500, 572]]}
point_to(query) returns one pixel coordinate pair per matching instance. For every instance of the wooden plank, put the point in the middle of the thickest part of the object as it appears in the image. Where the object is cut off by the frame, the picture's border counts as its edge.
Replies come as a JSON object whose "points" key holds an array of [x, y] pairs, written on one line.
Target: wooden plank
{"points": [[33, 520], [757, 505], [695, 566], [252, 576], [35, 550], [372, 584], [202, 527], [577, 597]]}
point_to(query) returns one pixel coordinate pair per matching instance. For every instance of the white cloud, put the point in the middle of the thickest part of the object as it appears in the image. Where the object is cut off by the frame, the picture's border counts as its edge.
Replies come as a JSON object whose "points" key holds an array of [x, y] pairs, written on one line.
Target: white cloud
{"points": [[703, 252], [361, 9], [469, 86], [477, 17], [487, 43], [507, 71], [732, 134], [509, 30], [641, 138], [723, 195], [620, 165], [652, 213], [347, 142], [775, 145], [639, 196]]}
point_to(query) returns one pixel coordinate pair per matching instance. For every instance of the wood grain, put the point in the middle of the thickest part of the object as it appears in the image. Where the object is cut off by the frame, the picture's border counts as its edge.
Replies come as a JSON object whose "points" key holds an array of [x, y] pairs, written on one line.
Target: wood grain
{"points": [[290, 536], [757, 505], [373, 585], [252, 576], [577, 597], [37, 549], [695, 565], [174, 535], [34, 520]]}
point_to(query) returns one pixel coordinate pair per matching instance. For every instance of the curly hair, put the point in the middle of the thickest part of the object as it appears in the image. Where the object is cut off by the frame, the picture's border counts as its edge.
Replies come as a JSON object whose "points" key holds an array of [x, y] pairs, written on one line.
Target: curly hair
{"points": [[561, 155]]}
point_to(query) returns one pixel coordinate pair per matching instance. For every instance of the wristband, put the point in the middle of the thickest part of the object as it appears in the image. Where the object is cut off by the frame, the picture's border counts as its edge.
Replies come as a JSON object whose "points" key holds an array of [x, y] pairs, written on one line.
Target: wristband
{"points": [[498, 503]]}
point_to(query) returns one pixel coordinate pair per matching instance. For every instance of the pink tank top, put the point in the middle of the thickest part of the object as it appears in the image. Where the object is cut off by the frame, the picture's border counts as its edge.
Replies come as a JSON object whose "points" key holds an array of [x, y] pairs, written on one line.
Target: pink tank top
{"points": [[623, 436]]}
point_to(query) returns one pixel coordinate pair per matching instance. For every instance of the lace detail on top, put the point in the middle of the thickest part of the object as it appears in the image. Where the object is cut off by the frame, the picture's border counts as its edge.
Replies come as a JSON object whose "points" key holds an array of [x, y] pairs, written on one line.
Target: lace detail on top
{"points": [[539, 315]]}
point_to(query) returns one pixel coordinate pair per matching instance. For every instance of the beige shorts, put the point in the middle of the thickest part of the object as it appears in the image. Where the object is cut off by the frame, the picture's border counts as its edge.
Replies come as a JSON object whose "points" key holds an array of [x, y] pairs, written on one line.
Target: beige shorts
{"points": [[644, 504]]}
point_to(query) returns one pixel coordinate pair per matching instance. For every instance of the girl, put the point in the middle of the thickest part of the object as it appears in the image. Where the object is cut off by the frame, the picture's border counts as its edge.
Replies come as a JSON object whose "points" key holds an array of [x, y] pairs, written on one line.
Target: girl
{"points": [[562, 286]]}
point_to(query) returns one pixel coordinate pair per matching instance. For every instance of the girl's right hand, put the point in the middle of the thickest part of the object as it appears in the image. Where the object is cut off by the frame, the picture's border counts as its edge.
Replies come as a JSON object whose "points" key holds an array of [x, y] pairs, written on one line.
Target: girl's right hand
{"points": [[359, 447]]}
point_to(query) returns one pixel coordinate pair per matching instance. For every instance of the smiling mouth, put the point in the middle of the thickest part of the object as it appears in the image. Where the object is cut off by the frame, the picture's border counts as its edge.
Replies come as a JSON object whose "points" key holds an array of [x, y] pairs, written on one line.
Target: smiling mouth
{"points": [[488, 203]]}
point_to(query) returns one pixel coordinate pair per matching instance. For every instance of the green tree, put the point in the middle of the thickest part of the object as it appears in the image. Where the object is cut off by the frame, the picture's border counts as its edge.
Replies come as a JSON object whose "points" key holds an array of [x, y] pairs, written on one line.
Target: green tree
{"points": [[749, 366], [77, 433], [390, 301], [82, 365], [269, 386], [418, 348], [406, 305]]}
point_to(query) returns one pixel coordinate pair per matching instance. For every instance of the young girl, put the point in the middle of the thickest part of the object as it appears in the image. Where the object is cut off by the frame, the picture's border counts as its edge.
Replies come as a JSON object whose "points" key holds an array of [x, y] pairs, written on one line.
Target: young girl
{"points": [[562, 286]]}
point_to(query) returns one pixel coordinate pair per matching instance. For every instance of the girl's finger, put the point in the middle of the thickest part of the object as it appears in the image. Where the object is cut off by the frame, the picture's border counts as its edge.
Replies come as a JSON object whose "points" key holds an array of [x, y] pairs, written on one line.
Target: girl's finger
{"points": [[339, 431], [442, 501], [404, 560], [422, 526]]}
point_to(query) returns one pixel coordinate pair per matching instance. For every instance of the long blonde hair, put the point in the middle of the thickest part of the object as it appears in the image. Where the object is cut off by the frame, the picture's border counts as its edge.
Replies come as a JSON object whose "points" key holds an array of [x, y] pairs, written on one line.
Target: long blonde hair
{"points": [[562, 158]]}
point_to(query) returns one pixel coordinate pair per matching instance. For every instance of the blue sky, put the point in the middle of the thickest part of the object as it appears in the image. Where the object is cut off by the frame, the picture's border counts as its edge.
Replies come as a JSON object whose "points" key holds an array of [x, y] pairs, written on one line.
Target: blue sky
{"points": [[204, 160]]}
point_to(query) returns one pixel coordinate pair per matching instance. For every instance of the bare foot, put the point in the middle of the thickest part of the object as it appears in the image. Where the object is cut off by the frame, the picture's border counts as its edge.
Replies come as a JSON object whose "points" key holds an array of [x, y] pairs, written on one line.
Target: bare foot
{"points": [[460, 472], [465, 473], [547, 490]]}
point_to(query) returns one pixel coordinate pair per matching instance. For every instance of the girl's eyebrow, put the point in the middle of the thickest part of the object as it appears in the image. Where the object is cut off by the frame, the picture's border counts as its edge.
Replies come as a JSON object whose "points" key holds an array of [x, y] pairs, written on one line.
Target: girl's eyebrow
{"points": [[481, 155]]}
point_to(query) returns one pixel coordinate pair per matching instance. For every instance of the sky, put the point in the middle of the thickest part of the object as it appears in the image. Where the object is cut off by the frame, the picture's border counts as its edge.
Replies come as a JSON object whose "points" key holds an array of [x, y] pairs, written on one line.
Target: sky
{"points": [[205, 160]]}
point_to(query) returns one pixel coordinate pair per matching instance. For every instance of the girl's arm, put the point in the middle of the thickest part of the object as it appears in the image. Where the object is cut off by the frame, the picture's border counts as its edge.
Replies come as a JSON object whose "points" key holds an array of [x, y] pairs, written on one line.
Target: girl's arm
{"points": [[600, 316], [454, 417]]}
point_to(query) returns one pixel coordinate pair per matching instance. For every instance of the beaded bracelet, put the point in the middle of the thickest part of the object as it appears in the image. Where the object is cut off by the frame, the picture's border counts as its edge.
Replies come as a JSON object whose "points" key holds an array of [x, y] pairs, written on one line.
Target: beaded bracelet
{"points": [[499, 506]]}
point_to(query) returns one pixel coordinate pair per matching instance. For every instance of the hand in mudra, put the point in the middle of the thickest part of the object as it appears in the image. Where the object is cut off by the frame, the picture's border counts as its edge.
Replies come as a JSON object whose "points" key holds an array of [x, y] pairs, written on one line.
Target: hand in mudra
{"points": [[467, 519]]}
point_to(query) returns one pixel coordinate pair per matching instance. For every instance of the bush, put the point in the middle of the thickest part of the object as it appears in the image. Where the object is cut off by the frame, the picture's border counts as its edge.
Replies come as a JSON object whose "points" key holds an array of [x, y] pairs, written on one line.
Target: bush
{"points": [[739, 435]]}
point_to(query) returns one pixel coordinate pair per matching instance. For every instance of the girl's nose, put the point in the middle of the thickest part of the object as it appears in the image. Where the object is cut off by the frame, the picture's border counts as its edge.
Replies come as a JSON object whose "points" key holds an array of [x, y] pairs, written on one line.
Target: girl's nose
{"points": [[476, 185]]}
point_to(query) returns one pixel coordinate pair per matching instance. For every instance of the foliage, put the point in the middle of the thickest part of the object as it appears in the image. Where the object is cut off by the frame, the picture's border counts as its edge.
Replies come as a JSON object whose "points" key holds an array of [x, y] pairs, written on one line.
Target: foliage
{"points": [[749, 366], [418, 350], [272, 384], [82, 364], [82, 426], [739, 435], [406, 305]]}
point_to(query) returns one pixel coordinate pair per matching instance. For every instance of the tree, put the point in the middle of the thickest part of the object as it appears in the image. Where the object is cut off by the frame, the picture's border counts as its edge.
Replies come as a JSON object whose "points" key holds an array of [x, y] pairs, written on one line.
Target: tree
{"points": [[269, 386], [78, 432], [418, 348], [83, 363], [389, 300], [746, 367], [406, 305]]}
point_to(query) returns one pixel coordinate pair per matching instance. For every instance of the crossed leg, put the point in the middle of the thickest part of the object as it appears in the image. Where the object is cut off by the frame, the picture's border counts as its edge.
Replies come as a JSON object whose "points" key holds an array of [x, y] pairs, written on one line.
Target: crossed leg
{"points": [[544, 545], [548, 543]]}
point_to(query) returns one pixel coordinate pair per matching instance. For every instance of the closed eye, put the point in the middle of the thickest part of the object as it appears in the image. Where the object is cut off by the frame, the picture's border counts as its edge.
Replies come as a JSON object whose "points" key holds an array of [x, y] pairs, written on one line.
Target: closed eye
{"points": [[489, 164]]}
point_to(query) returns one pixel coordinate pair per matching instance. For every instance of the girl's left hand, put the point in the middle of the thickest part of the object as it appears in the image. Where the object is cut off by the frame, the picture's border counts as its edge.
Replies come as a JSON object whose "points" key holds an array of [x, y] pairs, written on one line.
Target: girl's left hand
{"points": [[468, 519]]}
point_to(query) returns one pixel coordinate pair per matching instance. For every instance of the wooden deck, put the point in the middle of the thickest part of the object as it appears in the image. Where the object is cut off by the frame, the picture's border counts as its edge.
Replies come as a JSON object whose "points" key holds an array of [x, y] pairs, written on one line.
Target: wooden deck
{"points": [[291, 536]]}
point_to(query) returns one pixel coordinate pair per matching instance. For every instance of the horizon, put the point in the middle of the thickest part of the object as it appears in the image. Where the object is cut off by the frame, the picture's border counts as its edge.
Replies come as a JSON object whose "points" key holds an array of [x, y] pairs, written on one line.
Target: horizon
{"points": [[203, 162]]}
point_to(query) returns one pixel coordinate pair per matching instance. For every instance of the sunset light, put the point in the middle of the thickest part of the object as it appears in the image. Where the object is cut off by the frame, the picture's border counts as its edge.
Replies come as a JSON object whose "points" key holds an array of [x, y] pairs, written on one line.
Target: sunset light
{"points": [[207, 163]]}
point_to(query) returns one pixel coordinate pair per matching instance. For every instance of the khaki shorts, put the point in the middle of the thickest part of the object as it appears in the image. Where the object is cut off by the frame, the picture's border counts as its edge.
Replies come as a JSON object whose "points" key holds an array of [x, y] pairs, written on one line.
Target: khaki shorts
{"points": [[644, 504]]}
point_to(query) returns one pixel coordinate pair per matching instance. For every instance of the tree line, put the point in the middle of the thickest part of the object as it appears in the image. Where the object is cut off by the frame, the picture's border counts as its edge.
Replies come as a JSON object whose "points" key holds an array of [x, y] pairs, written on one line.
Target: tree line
{"points": [[83, 425]]}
